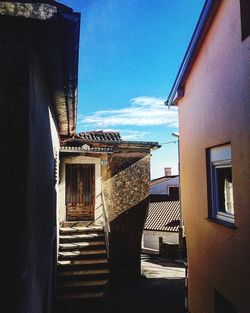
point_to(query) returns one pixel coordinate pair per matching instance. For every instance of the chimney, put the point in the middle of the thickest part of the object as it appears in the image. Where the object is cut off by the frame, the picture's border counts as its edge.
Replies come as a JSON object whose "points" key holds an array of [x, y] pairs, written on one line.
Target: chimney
{"points": [[167, 171]]}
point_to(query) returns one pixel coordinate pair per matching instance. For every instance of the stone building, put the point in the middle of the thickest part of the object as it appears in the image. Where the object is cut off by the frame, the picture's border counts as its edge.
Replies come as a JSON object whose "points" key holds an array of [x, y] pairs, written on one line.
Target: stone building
{"points": [[166, 185], [115, 190], [162, 224], [213, 96]]}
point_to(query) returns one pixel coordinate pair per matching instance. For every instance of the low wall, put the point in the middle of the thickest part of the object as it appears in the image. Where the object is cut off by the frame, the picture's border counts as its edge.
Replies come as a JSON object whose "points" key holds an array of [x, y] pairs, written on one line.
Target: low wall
{"points": [[126, 202], [127, 188]]}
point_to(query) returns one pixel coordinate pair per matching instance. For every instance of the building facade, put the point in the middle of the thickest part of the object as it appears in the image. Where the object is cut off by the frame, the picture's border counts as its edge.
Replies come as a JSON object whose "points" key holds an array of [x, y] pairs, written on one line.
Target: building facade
{"points": [[162, 224], [104, 181], [213, 96], [166, 185]]}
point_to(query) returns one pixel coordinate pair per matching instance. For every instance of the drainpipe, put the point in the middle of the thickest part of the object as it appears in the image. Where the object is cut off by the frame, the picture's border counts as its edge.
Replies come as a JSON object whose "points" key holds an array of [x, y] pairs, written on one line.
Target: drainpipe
{"points": [[181, 244]]}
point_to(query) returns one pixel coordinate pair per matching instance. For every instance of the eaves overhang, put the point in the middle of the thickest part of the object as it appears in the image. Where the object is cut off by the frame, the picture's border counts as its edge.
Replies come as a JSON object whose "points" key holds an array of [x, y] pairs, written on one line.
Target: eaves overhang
{"points": [[78, 143], [52, 30], [205, 20], [60, 57]]}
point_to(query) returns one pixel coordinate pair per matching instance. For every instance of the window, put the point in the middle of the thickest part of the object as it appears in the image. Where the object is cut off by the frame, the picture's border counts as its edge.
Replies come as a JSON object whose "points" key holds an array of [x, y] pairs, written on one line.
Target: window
{"points": [[221, 183], [173, 191]]}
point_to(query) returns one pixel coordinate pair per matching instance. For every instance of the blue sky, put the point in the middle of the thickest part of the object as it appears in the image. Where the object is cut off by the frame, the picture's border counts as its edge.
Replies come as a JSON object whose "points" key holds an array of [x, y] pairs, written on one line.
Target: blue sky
{"points": [[130, 52]]}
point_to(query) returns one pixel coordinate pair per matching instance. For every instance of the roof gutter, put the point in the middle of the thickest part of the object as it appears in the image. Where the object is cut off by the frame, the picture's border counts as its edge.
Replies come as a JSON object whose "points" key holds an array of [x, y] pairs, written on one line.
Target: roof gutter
{"points": [[208, 12], [70, 24]]}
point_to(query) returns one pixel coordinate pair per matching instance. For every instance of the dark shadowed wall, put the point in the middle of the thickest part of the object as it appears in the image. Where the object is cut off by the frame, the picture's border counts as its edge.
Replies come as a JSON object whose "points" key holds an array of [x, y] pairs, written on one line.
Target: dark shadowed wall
{"points": [[27, 175]]}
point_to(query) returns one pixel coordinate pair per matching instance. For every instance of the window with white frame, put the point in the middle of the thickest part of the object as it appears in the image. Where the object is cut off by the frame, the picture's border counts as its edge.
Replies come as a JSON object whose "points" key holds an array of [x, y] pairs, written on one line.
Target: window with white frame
{"points": [[221, 183]]}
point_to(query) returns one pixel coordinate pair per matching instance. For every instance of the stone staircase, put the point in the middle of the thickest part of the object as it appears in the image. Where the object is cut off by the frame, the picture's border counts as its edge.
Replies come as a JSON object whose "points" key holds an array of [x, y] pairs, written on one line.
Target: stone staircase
{"points": [[82, 263]]}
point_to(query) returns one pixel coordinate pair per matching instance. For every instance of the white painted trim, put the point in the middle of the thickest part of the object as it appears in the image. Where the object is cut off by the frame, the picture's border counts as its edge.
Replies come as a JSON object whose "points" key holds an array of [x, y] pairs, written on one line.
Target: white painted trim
{"points": [[220, 153], [224, 216], [62, 184]]}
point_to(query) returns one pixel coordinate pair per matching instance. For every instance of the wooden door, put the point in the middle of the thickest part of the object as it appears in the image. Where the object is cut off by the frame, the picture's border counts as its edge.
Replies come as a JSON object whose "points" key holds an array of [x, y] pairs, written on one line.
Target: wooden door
{"points": [[80, 192]]}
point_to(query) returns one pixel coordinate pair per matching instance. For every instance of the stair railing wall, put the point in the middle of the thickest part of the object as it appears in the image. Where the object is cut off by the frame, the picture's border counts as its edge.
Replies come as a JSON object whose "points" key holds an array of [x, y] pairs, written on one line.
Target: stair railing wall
{"points": [[127, 188], [106, 225]]}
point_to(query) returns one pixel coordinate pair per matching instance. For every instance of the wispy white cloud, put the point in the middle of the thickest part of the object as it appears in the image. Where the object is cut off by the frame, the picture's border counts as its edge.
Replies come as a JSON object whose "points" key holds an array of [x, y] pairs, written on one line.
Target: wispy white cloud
{"points": [[142, 111], [134, 135]]}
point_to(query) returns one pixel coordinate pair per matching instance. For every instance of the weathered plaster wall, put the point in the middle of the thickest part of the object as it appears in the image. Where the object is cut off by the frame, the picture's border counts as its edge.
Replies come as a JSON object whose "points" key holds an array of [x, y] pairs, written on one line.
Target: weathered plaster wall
{"points": [[216, 110], [150, 238], [163, 187]]}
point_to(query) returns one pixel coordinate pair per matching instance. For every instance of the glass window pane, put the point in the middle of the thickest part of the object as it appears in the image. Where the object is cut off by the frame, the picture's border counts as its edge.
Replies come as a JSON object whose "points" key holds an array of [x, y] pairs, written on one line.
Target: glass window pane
{"points": [[225, 189]]}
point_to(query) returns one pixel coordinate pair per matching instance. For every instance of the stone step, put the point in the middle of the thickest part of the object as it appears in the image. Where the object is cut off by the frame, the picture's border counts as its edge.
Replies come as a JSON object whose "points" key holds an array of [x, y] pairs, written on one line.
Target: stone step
{"points": [[69, 263], [80, 230], [78, 286], [82, 263], [80, 275], [81, 237], [82, 295], [81, 245], [80, 224], [84, 283], [82, 254]]}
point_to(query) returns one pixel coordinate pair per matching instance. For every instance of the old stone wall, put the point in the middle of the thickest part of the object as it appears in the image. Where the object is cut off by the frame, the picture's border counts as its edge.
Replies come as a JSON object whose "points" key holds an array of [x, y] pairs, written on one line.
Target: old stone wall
{"points": [[125, 244], [127, 188], [121, 160], [39, 11], [126, 204]]}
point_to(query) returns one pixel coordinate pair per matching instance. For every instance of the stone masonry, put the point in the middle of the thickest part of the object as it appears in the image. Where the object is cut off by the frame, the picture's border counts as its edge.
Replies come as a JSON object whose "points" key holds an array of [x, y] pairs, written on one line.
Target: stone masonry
{"points": [[127, 188], [38, 11]]}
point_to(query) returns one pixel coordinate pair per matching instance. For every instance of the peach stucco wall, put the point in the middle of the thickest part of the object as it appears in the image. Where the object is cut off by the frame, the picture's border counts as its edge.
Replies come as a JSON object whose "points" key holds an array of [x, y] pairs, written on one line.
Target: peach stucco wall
{"points": [[216, 110]]}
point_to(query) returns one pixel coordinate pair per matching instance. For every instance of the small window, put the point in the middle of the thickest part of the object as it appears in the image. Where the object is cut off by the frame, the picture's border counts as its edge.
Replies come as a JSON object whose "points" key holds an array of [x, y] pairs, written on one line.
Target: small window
{"points": [[221, 184], [173, 191], [245, 20]]}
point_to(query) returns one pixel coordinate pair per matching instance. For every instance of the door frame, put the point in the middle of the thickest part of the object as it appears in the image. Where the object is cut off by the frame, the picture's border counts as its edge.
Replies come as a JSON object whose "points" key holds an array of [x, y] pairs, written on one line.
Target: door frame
{"points": [[80, 185], [82, 159]]}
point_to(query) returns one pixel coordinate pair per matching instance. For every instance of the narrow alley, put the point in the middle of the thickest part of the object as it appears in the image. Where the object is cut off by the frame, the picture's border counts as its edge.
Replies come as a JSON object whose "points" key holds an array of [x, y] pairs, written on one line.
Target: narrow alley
{"points": [[125, 156], [160, 289]]}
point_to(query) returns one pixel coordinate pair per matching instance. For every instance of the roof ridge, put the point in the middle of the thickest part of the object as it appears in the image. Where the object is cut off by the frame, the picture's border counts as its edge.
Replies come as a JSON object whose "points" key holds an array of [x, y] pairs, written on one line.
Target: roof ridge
{"points": [[100, 135]]}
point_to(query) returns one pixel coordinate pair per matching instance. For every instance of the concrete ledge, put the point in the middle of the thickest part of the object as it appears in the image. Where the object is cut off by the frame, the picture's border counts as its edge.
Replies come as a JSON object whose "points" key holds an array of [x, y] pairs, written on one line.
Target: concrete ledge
{"points": [[149, 251]]}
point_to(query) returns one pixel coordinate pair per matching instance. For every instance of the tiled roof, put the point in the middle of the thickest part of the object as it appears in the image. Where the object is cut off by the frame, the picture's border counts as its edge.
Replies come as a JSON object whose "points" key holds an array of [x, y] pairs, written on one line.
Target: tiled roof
{"points": [[163, 216], [99, 136], [161, 179], [106, 137]]}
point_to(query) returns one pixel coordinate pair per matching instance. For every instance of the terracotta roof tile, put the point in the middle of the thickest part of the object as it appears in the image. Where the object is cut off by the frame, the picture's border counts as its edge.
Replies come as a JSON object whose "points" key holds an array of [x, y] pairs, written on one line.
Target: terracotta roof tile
{"points": [[99, 136], [163, 216]]}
